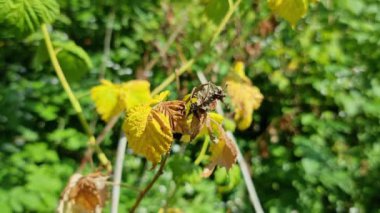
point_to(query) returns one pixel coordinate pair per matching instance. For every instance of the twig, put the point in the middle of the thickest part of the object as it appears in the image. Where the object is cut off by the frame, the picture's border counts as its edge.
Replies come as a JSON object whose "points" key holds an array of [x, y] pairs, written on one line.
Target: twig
{"points": [[118, 173], [147, 188], [87, 156], [172, 76], [171, 39], [254, 198], [107, 43], [111, 123]]}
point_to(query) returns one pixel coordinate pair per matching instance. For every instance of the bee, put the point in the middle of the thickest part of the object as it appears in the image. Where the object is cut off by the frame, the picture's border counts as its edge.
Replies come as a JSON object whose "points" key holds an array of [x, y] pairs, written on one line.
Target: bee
{"points": [[206, 96]]}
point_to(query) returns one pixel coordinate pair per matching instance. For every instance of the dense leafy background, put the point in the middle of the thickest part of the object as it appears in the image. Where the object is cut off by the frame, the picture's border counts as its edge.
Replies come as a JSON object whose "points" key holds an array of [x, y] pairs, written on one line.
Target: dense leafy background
{"points": [[314, 144]]}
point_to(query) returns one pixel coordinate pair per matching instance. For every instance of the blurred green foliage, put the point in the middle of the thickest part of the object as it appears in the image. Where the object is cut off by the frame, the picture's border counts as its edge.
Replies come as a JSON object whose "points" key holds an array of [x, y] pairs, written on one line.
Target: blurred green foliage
{"points": [[314, 144]]}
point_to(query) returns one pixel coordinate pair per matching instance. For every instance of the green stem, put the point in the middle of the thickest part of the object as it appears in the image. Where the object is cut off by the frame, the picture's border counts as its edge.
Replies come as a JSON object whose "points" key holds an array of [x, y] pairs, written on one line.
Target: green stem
{"points": [[64, 83], [202, 154], [172, 76], [73, 100], [225, 20]]}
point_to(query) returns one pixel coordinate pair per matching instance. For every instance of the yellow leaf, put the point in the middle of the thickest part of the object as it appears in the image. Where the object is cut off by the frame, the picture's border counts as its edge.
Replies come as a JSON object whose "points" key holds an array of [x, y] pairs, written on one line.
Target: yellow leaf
{"points": [[215, 121], [239, 72], [148, 132], [160, 97], [245, 99], [291, 10], [135, 92], [111, 99], [107, 99], [170, 210]]}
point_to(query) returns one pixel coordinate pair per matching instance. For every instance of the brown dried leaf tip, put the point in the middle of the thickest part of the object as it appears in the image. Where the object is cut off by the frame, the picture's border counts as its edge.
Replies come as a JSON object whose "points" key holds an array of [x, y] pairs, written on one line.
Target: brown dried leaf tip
{"points": [[176, 112], [84, 194]]}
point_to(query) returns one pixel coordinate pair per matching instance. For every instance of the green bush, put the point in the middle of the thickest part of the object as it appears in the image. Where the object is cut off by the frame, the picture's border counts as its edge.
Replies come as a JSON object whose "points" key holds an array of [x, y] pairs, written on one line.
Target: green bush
{"points": [[314, 144]]}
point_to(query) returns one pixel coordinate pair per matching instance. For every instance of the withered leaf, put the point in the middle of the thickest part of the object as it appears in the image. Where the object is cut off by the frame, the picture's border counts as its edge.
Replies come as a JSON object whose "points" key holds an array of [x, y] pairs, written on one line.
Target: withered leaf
{"points": [[224, 153], [197, 123], [176, 112], [84, 194]]}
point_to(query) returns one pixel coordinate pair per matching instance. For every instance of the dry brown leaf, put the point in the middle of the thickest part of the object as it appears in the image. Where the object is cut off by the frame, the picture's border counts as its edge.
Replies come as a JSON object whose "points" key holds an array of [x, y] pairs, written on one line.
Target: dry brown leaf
{"points": [[197, 123], [224, 153], [176, 112], [84, 194]]}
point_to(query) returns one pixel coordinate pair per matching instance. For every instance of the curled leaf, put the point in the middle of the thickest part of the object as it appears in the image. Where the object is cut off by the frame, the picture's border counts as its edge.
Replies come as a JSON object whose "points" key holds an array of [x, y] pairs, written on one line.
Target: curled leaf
{"points": [[176, 112], [197, 123], [111, 99], [291, 10], [223, 154], [148, 132], [84, 194], [213, 125], [245, 97]]}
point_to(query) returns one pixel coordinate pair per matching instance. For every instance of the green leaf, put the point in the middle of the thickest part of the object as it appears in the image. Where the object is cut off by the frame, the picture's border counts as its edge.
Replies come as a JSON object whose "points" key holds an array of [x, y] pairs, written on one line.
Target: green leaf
{"points": [[25, 16], [74, 60], [216, 10], [184, 170]]}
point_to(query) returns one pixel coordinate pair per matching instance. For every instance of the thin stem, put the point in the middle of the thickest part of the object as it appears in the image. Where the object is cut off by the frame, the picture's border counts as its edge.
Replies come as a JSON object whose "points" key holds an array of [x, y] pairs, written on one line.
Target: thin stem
{"points": [[254, 198], [107, 43], [73, 100], [172, 76], [64, 83], [87, 156], [171, 39], [225, 20], [149, 186]]}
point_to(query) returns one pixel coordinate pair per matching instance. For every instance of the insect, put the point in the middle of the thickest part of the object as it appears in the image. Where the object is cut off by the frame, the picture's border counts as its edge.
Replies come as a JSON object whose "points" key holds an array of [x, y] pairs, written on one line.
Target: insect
{"points": [[206, 96]]}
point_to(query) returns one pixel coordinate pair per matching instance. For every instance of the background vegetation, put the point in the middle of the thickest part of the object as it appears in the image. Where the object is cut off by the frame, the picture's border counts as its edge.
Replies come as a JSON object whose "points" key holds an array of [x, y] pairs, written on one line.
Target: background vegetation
{"points": [[314, 144]]}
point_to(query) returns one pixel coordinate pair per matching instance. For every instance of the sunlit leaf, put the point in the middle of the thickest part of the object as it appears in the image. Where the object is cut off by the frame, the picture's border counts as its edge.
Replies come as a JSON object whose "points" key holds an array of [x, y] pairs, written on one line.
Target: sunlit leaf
{"points": [[148, 132], [111, 99], [27, 15], [170, 210], [107, 99], [160, 97], [291, 10], [135, 92]]}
